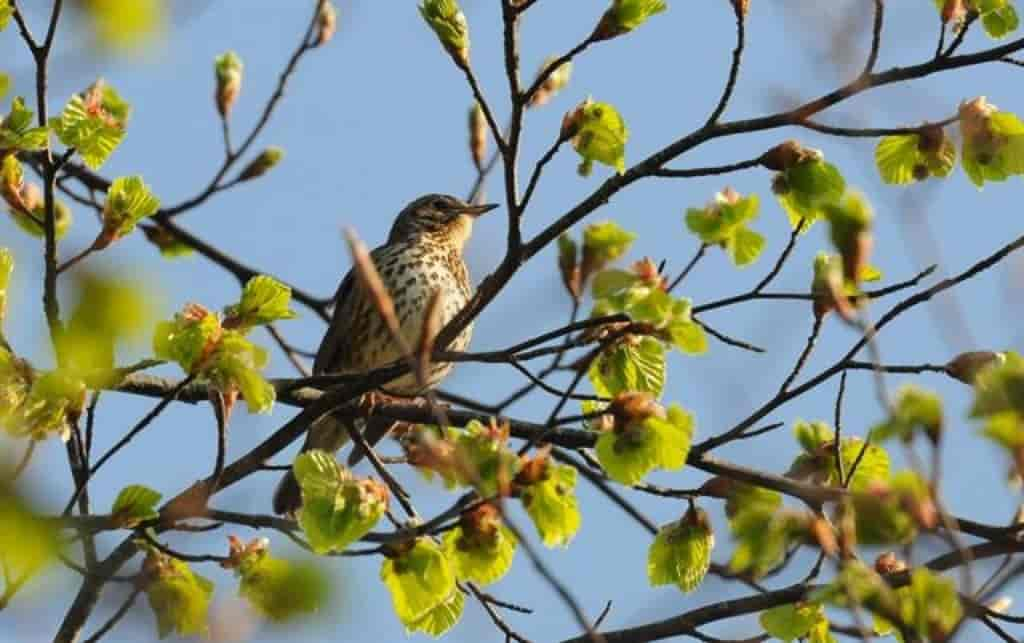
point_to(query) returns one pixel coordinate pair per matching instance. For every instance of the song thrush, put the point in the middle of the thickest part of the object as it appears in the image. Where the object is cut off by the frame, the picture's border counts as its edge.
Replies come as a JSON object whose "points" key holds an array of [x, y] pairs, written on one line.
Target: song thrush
{"points": [[423, 255]]}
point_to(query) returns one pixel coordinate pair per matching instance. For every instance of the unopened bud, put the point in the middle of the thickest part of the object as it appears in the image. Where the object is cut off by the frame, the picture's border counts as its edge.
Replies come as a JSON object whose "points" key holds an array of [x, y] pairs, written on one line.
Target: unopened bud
{"points": [[648, 272], [888, 563], [568, 266], [326, 23], [553, 84], [228, 71], [785, 155], [634, 407], [953, 11], [262, 164], [966, 366], [477, 136], [742, 6]]}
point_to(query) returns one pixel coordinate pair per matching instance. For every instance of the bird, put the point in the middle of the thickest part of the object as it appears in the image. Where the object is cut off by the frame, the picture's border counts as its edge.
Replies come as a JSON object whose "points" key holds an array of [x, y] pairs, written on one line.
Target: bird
{"points": [[422, 256]]}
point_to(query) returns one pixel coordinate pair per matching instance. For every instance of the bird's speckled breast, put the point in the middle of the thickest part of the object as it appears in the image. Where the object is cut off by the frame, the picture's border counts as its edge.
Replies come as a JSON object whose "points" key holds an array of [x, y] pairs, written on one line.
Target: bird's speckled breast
{"points": [[412, 273]]}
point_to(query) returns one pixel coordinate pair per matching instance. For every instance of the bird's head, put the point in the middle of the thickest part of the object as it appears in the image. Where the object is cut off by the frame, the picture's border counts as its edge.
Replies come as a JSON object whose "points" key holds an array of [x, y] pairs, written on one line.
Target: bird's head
{"points": [[440, 216]]}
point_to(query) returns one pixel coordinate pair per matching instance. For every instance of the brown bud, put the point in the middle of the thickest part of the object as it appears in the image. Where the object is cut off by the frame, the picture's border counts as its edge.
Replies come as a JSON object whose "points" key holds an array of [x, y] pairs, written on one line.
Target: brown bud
{"points": [[742, 6], [326, 24], [718, 487], [953, 10], [634, 407], [888, 563], [262, 164], [966, 366], [931, 138], [856, 253], [535, 469], [572, 120], [480, 526], [477, 136], [785, 155]]}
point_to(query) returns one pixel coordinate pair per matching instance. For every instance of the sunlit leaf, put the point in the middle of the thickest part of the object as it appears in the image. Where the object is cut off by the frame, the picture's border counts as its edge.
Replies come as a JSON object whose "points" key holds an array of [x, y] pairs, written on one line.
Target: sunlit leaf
{"points": [[93, 123], [419, 578], [551, 504], [598, 133], [180, 598], [264, 300], [134, 504], [681, 552]]}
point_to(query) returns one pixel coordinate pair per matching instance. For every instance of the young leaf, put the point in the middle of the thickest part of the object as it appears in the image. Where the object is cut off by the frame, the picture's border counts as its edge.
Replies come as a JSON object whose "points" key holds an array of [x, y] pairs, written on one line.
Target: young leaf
{"points": [[806, 187], [264, 300], [551, 504], [599, 134], [446, 19], [637, 364], [6, 268], [793, 621], [227, 70], [280, 590], [180, 598], [337, 509], [129, 200], [28, 542], [628, 452], [15, 384], [93, 123], [45, 408], [6, 11], [189, 339], [441, 618], [723, 222], [999, 18], [484, 459], [16, 130], [626, 15], [915, 410], [419, 578], [681, 552], [993, 142], [905, 158], [873, 467], [134, 504], [481, 548]]}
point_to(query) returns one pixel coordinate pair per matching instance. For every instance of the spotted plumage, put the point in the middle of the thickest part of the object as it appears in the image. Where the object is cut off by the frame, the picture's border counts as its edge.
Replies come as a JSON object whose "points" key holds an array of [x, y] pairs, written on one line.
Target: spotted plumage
{"points": [[423, 255]]}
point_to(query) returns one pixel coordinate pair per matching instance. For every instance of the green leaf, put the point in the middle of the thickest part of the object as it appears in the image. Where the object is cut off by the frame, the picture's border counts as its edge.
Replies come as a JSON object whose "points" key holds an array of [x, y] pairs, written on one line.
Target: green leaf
{"points": [[6, 11], [906, 158], [419, 580], [600, 135], [446, 19], [793, 621], [235, 366], [15, 384], [745, 246], [806, 187], [44, 409], [483, 451], [551, 504], [603, 243], [936, 604], [180, 598], [993, 142], [1000, 388], [129, 200], [914, 410], [5, 79], [281, 590], [337, 509], [812, 436], [16, 131], [478, 556], [134, 504], [107, 312], [441, 618], [630, 14], [637, 365], [28, 542], [6, 268], [612, 282], [93, 123], [1001, 22], [264, 300], [873, 467], [630, 452], [189, 339], [688, 337], [681, 552], [125, 26]]}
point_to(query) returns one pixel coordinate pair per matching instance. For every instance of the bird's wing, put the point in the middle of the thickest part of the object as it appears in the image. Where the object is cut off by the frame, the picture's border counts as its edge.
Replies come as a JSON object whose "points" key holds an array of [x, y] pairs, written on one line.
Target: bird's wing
{"points": [[335, 342]]}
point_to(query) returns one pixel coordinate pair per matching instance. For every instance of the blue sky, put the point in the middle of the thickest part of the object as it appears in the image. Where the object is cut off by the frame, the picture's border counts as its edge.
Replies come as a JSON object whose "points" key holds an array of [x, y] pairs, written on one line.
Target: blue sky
{"points": [[377, 118]]}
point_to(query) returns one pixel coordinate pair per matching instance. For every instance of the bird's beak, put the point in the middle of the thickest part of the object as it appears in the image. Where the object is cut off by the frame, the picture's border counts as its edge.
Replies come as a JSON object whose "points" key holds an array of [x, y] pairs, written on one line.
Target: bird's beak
{"points": [[477, 210]]}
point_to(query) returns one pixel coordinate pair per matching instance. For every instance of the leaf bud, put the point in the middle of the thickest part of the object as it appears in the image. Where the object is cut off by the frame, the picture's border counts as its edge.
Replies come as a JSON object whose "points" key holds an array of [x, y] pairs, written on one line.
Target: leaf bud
{"points": [[228, 72], [262, 164], [477, 136], [966, 366], [326, 23]]}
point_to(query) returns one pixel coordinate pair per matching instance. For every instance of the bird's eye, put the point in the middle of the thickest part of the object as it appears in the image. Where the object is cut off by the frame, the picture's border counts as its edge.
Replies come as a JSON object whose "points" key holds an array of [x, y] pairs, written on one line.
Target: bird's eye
{"points": [[439, 204]]}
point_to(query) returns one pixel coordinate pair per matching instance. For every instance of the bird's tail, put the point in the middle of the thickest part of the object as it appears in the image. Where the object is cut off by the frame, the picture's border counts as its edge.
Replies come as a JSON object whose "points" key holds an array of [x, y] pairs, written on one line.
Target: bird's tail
{"points": [[327, 433]]}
